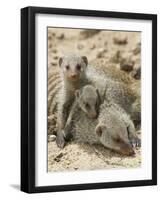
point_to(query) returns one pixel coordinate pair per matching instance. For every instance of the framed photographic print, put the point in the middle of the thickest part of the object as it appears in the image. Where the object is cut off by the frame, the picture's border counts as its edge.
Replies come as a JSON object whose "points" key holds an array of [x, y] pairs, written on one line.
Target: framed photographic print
{"points": [[88, 99]]}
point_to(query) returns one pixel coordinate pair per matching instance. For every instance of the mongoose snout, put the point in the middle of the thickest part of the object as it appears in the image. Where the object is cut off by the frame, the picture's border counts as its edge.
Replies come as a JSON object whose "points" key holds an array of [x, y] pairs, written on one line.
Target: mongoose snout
{"points": [[74, 76], [94, 115], [114, 140], [126, 149]]}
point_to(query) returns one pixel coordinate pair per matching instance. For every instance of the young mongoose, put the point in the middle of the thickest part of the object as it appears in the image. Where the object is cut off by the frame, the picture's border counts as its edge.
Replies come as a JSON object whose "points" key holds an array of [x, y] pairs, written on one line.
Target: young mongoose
{"points": [[88, 100], [113, 128], [73, 72]]}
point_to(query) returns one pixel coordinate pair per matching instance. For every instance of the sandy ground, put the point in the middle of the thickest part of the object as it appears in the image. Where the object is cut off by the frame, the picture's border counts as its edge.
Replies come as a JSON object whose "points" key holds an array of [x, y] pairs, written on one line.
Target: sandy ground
{"points": [[112, 48], [86, 157]]}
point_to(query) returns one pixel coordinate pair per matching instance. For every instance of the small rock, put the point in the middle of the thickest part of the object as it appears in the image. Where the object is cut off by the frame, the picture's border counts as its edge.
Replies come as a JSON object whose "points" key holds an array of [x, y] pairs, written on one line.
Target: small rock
{"points": [[50, 46], [137, 49], [101, 53], [53, 63], [54, 51], [80, 46], [55, 57], [117, 57], [51, 138], [58, 157], [60, 36], [93, 46], [49, 37], [88, 33], [136, 73], [120, 40], [127, 65], [68, 162]]}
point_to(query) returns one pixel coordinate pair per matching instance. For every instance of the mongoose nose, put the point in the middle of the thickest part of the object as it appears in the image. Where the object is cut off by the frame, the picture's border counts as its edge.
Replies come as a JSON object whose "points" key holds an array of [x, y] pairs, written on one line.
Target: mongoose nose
{"points": [[92, 115], [127, 150], [74, 76], [131, 152]]}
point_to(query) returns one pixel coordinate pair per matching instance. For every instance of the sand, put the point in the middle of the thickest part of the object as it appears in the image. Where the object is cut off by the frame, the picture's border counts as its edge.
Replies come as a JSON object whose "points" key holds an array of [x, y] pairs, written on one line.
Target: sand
{"points": [[112, 48]]}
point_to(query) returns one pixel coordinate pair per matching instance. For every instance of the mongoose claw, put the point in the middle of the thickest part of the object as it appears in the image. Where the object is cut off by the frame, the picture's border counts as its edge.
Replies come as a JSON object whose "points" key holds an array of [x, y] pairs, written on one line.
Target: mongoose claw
{"points": [[135, 142], [60, 140]]}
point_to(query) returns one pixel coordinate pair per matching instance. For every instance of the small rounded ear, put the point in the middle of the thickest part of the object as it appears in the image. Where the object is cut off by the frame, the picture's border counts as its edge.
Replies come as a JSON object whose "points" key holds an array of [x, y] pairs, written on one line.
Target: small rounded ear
{"points": [[77, 94], [84, 58], [99, 129], [60, 61]]}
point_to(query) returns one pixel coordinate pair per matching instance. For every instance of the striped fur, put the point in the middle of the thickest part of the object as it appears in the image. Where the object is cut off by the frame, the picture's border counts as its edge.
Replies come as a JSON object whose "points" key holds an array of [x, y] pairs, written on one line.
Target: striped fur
{"points": [[115, 92]]}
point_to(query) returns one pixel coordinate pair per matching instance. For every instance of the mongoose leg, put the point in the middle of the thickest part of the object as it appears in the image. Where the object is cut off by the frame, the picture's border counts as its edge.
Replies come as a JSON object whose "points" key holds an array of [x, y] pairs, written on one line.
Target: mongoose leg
{"points": [[68, 126], [61, 135], [60, 139], [134, 139]]}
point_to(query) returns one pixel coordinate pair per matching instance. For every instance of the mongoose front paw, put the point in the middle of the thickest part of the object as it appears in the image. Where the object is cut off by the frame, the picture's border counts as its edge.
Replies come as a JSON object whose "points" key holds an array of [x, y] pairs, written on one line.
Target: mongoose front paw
{"points": [[60, 140], [135, 142]]}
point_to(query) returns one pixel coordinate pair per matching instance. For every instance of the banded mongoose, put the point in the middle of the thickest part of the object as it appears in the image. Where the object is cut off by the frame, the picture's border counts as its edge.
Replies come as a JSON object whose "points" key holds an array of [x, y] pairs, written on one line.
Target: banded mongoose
{"points": [[113, 128], [73, 72], [117, 91], [88, 100], [122, 92], [132, 87]]}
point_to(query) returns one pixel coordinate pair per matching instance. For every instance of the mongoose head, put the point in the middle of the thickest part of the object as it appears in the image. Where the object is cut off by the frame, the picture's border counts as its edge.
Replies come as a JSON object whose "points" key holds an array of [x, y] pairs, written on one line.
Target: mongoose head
{"points": [[115, 137], [88, 100], [73, 66]]}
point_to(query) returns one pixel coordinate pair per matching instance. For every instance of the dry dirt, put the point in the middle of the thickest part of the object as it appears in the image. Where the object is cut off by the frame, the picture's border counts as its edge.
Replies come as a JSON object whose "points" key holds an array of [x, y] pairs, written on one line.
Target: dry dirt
{"points": [[113, 48]]}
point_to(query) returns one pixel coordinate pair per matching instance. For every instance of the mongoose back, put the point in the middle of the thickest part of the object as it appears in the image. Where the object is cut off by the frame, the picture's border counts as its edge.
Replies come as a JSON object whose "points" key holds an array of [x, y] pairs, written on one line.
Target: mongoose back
{"points": [[129, 86], [114, 91]]}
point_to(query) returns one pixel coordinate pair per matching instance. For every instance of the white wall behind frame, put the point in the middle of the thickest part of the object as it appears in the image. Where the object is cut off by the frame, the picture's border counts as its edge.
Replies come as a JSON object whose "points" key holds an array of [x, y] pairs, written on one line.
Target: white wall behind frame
{"points": [[10, 67]]}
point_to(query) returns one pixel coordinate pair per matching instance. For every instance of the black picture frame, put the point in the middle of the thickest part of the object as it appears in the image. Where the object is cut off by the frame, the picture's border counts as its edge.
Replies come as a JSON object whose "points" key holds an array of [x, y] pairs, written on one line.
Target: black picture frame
{"points": [[28, 98]]}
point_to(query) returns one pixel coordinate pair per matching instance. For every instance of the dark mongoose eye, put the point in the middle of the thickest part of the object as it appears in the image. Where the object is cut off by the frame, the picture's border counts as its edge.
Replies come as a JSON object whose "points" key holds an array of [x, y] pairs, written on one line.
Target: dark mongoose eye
{"points": [[78, 67], [117, 140], [87, 105], [67, 67]]}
